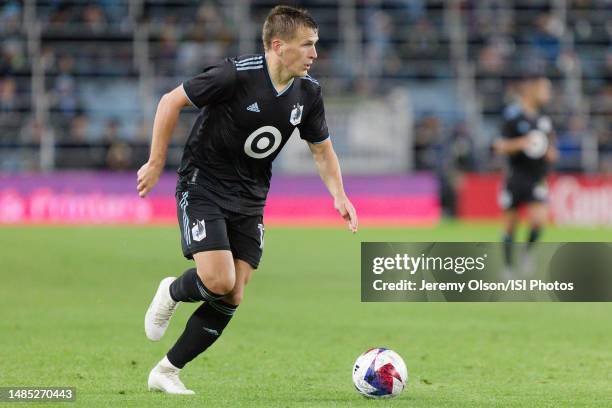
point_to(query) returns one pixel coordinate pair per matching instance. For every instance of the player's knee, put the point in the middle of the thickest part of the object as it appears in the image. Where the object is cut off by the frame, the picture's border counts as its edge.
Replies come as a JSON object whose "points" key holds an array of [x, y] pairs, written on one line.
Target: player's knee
{"points": [[221, 282]]}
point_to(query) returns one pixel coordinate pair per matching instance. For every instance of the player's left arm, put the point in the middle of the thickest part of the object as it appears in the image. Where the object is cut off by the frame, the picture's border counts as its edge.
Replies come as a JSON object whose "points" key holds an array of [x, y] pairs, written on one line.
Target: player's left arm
{"points": [[552, 153], [329, 169]]}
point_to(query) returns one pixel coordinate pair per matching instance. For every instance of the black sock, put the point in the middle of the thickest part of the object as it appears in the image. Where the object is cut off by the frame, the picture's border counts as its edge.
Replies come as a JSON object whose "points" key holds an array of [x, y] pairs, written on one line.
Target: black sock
{"points": [[508, 242], [203, 328], [534, 234], [189, 288]]}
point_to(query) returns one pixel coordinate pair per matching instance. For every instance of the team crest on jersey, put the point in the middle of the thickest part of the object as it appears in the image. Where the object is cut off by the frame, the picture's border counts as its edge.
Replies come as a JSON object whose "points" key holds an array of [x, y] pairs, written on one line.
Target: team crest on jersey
{"points": [[296, 114], [198, 231]]}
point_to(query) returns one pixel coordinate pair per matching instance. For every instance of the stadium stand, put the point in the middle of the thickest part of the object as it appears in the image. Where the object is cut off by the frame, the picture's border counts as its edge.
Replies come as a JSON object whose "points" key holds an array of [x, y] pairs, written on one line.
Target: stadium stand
{"points": [[79, 80]]}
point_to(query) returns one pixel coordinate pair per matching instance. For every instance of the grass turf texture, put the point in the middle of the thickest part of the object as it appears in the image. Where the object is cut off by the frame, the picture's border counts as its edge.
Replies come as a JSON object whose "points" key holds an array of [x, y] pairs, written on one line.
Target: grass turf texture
{"points": [[72, 302]]}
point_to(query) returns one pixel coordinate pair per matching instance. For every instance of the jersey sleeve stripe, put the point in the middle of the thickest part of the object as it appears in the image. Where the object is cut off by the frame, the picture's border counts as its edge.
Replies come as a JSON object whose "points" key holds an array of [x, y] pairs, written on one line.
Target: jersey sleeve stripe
{"points": [[258, 57], [249, 67], [248, 63]]}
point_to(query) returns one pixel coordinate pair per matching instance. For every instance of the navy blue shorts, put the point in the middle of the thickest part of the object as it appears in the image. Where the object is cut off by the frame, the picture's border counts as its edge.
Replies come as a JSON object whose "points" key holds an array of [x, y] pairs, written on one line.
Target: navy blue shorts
{"points": [[517, 191]]}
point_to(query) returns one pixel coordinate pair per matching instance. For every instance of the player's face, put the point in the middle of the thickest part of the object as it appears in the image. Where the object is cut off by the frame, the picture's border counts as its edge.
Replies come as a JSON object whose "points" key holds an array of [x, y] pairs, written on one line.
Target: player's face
{"points": [[542, 91], [299, 53]]}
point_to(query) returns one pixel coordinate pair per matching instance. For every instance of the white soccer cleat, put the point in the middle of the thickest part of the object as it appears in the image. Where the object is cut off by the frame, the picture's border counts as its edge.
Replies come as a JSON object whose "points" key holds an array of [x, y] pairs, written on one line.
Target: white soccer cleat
{"points": [[528, 264], [164, 377], [160, 311], [507, 273]]}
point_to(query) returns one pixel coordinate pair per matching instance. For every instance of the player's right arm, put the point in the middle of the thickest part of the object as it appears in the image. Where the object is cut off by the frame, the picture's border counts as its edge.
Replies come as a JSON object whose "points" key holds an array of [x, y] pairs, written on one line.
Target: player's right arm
{"points": [[513, 138], [167, 114], [511, 146], [215, 84]]}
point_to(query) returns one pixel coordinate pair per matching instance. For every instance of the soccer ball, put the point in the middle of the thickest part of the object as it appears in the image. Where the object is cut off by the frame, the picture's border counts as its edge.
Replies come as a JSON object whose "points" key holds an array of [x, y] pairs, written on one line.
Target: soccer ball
{"points": [[380, 373]]}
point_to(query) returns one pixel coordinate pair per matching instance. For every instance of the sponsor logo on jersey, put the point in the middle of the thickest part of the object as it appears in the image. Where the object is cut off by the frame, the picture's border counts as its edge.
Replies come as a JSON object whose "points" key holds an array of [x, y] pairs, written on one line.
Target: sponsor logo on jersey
{"points": [[296, 114]]}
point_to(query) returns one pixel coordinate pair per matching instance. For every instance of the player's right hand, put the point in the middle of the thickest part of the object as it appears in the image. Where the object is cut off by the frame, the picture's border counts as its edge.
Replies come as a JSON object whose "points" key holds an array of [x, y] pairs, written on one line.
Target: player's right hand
{"points": [[148, 176]]}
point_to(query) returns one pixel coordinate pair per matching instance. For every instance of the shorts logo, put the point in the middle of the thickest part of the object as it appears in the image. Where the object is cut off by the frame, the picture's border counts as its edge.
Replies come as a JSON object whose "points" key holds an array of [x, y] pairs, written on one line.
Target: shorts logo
{"points": [[198, 231], [296, 114], [504, 199], [540, 192]]}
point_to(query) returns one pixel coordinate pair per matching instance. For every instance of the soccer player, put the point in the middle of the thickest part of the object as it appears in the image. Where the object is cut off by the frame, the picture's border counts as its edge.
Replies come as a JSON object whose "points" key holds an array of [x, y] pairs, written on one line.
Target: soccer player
{"points": [[249, 107], [528, 142]]}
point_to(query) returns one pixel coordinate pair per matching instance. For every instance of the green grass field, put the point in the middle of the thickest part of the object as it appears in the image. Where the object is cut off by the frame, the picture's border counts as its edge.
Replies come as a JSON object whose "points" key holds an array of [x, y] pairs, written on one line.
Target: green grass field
{"points": [[72, 302]]}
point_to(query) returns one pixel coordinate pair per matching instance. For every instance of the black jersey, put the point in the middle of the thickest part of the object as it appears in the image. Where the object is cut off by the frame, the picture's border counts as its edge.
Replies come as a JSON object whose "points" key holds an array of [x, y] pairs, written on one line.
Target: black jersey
{"points": [[531, 162], [243, 125]]}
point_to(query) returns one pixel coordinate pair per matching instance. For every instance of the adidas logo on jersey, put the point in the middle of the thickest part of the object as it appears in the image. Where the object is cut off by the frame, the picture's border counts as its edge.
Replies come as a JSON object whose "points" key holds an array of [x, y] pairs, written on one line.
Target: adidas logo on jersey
{"points": [[253, 107]]}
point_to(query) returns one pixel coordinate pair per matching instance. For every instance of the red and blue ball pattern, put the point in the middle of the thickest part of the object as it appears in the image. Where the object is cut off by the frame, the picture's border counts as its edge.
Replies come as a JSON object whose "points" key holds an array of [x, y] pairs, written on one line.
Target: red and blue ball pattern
{"points": [[382, 379]]}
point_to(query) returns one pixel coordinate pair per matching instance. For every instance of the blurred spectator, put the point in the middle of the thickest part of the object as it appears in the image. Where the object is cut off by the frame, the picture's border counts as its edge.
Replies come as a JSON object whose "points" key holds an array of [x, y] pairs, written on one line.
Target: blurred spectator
{"points": [[111, 131], [61, 15], [32, 132], [166, 48], [606, 69], [605, 149], [140, 144], [119, 156], [114, 153], [602, 103], [8, 95], [10, 18], [490, 74], [569, 143], [94, 19], [456, 158], [422, 45], [12, 56], [378, 48], [116, 10], [10, 119], [48, 59], [75, 150], [547, 36], [78, 132], [65, 97], [206, 40], [427, 139], [462, 149]]}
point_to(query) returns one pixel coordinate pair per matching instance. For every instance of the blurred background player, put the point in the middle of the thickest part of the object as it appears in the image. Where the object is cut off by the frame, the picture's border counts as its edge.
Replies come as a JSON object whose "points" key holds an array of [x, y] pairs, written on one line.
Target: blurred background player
{"points": [[528, 143], [250, 107]]}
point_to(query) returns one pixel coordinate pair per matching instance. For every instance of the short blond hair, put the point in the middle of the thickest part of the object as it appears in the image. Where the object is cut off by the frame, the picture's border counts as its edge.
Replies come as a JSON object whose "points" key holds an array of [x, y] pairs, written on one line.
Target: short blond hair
{"points": [[283, 22]]}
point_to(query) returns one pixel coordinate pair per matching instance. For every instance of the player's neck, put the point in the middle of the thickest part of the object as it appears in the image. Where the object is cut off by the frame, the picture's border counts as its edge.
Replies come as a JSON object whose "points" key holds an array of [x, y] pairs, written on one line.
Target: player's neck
{"points": [[280, 77], [530, 107]]}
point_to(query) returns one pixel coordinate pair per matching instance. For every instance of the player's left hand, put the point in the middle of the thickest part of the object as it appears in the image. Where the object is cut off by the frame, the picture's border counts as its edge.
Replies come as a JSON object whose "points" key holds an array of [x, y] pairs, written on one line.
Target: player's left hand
{"points": [[344, 206], [552, 154]]}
